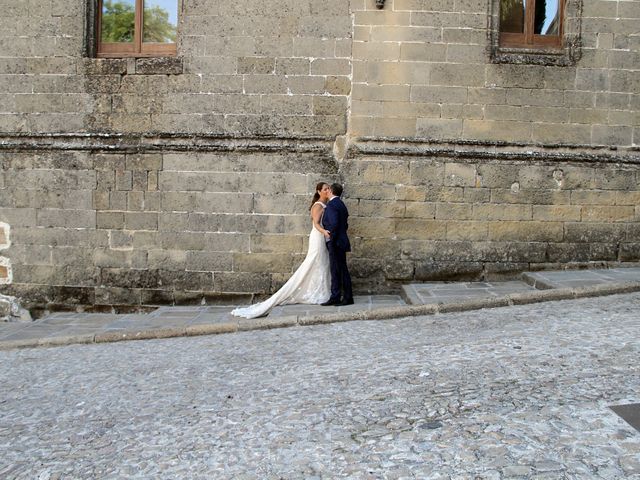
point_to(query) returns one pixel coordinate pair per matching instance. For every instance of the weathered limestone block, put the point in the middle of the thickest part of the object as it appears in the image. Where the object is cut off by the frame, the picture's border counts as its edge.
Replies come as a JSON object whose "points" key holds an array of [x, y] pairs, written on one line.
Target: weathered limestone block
{"points": [[471, 230], [262, 262], [419, 229], [286, 244], [242, 282], [566, 213], [495, 211], [526, 231], [598, 213], [159, 65]]}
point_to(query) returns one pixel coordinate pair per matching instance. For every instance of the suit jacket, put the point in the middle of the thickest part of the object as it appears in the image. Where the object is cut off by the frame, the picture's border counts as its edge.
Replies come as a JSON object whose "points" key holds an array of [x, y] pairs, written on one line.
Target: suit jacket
{"points": [[335, 220]]}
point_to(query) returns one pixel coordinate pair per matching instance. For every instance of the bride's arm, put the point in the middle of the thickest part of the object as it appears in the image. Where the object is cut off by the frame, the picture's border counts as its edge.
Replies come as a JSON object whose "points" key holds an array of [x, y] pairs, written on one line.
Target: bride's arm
{"points": [[316, 216]]}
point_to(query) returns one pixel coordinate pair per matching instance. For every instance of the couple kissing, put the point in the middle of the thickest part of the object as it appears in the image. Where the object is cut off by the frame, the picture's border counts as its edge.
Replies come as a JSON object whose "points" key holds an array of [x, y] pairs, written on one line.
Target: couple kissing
{"points": [[323, 277]]}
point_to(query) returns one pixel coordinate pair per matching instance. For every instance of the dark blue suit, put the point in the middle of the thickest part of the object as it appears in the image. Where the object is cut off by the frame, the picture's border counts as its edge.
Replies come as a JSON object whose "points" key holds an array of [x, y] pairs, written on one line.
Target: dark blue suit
{"points": [[335, 220]]}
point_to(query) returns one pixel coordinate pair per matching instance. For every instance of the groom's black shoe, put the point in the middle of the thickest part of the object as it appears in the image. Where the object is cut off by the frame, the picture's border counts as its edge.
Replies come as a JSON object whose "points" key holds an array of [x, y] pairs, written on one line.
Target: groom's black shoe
{"points": [[345, 302], [331, 301]]}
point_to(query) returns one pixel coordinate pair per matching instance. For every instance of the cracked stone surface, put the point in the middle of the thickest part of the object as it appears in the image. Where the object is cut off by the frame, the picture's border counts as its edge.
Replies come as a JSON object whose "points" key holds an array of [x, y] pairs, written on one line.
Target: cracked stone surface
{"points": [[517, 392]]}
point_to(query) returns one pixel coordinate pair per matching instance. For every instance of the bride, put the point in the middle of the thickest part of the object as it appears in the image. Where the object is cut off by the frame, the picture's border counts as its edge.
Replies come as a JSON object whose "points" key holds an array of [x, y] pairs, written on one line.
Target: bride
{"points": [[311, 282]]}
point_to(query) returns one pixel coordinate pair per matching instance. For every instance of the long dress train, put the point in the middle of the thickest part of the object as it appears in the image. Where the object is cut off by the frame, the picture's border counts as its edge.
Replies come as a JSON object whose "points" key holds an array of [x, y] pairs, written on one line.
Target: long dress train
{"points": [[310, 284]]}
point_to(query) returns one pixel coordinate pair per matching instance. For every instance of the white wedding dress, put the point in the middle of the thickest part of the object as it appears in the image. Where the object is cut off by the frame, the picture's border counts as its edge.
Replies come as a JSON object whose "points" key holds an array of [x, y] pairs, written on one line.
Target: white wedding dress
{"points": [[310, 284]]}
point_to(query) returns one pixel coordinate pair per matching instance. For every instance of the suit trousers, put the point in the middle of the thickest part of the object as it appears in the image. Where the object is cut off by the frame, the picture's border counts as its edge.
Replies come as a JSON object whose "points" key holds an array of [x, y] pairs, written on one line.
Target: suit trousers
{"points": [[340, 277]]}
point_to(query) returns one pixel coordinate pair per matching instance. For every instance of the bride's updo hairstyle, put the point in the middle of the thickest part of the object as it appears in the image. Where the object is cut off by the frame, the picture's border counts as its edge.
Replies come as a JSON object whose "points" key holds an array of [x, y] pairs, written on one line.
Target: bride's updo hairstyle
{"points": [[316, 195]]}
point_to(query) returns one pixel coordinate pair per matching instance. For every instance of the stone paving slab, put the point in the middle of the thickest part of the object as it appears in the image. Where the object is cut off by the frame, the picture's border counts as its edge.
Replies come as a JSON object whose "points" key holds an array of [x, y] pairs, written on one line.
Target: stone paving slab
{"points": [[580, 278], [444, 292], [430, 298]]}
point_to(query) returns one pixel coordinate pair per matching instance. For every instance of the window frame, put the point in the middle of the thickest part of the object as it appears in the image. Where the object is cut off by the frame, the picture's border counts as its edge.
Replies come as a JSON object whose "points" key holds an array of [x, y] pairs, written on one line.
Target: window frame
{"points": [[528, 39], [137, 48], [568, 52]]}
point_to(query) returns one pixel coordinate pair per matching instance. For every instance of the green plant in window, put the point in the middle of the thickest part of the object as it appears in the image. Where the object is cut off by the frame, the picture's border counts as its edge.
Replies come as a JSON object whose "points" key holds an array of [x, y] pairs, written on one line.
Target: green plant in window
{"points": [[118, 22], [157, 27]]}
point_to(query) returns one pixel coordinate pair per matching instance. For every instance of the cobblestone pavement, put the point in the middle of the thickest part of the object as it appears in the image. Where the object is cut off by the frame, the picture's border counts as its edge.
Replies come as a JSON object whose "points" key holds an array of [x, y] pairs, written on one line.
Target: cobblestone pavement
{"points": [[517, 392]]}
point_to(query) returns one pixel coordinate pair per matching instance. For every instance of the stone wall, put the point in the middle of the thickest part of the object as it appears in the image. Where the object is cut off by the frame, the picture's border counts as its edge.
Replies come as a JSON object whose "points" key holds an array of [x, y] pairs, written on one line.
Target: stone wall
{"points": [[147, 181], [423, 69], [245, 68], [459, 214]]}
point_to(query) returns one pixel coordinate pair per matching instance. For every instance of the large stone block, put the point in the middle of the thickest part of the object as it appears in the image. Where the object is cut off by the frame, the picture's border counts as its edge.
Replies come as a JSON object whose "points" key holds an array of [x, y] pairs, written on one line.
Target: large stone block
{"points": [[456, 75], [204, 222], [419, 52], [50, 217], [495, 211], [526, 231], [460, 175], [262, 262], [394, 127], [371, 227], [439, 129], [454, 211], [186, 280], [337, 85], [388, 33], [107, 257], [420, 229], [427, 173], [167, 259], [594, 232], [331, 66], [593, 197], [381, 92], [420, 209], [129, 278], [615, 179], [430, 270], [497, 175], [599, 213], [110, 220], [182, 240], [385, 209], [541, 197], [242, 282], [552, 213], [323, 105], [287, 104], [116, 296], [256, 65], [438, 94], [561, 133], [203, 261], [467, 230], [265, 84], [496, 130], [141, 220]]}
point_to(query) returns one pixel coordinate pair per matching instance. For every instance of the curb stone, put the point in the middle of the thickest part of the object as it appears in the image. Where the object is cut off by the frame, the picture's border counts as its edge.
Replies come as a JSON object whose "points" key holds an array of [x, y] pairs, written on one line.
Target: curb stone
{"points": [[382, 313], [211, 328]]}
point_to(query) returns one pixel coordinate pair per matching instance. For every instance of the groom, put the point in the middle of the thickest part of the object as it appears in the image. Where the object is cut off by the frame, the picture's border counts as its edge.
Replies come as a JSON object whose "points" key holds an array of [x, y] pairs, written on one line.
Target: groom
{"points": [[335, 221]]}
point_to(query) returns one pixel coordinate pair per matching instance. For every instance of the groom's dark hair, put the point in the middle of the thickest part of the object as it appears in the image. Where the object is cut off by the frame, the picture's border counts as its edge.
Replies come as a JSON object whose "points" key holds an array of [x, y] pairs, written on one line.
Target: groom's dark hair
{"points": [[336, 189]]}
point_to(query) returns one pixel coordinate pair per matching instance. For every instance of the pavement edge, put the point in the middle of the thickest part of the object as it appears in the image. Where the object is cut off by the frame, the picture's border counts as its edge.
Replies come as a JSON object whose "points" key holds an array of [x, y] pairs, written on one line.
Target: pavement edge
{"points": [[381, 313]]}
